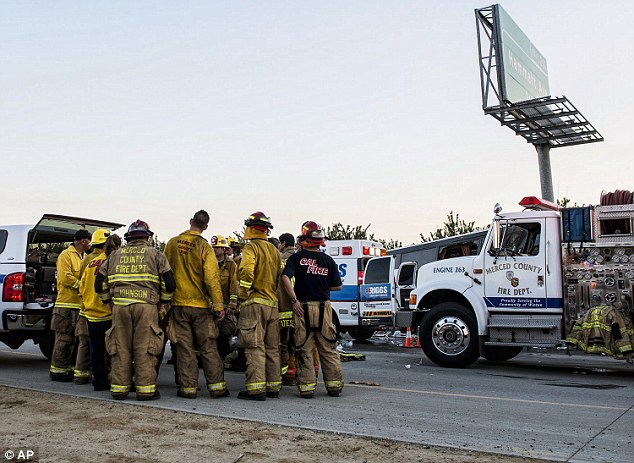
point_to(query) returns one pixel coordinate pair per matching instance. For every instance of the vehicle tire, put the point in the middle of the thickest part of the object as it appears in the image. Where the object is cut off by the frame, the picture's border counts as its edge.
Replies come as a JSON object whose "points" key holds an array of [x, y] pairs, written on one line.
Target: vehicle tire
{"points": [[449, 335], [500, 353], [360, 334], [46, 343]]}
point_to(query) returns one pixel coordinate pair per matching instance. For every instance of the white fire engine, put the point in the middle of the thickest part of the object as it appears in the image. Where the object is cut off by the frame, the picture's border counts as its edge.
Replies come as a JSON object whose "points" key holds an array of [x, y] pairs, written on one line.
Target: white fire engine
{"points": [[539, 272]]}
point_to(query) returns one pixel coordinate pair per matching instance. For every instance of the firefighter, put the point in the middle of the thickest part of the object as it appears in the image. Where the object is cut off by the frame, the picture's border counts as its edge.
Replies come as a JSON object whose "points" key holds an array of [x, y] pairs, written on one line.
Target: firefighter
{"points": [[138, 281], [287, 351], [229, 251], [235, 360], [258, 326], [229, 285], [83, 373], [97, 314], [236, 246], [316, 274], [197, 304], [67, 306]]}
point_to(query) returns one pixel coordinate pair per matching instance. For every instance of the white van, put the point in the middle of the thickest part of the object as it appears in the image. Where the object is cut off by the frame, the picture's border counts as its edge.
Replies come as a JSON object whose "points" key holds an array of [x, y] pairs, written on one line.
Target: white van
{"points": [[350, 302], [28, 276]]}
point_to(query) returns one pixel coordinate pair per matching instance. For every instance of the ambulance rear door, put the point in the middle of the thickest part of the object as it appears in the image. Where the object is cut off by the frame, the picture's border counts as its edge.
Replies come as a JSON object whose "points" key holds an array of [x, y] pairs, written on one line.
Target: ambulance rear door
{"points": [[377, 293], [346, 301]]}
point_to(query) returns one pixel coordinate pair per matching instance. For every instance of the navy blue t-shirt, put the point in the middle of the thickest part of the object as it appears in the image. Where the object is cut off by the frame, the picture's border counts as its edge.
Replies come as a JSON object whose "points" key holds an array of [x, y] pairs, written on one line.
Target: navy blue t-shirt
{"points": [[315, 273]]}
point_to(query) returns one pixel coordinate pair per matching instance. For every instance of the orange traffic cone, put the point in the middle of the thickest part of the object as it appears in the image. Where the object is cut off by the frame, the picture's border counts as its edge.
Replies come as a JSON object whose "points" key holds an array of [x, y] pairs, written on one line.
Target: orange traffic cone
{"points": [[418, 341], [408, 338]]}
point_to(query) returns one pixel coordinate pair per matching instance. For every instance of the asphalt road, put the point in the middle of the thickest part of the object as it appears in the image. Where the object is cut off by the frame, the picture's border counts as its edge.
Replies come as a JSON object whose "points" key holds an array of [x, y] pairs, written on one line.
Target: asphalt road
{"points": [[540, 404]]}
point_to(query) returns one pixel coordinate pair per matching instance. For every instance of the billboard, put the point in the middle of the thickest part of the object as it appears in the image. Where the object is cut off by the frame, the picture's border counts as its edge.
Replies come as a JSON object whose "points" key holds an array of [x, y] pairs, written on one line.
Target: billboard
{"points": [[524, 73]]}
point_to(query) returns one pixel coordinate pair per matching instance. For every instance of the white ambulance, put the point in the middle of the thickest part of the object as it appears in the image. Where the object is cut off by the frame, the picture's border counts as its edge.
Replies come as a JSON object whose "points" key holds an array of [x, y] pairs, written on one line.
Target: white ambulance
{"points": [[356, 303]]}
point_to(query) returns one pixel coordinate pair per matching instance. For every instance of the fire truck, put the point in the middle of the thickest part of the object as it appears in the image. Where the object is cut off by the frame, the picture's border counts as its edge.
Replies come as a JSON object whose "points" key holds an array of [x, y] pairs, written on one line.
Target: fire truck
{"points": [[540, 273]]}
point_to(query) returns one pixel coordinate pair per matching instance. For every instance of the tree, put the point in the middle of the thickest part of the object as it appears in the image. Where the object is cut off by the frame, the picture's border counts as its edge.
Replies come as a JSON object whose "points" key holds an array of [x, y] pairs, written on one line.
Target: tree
{"points": [[359, 232], [565, 202], [339, 232], [392, 244], [240, 235], [156, 243], [452, 227]]}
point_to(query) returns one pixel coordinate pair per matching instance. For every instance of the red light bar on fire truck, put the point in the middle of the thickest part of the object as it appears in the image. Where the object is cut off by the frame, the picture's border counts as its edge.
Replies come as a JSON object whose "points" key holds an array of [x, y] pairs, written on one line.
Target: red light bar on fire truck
{"points": [[538, 204]]}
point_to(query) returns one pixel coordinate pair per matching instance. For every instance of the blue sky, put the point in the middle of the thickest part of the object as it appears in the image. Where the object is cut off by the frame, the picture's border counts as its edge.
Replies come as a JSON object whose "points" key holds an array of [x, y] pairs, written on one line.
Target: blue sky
{"points": [[355, 111]]}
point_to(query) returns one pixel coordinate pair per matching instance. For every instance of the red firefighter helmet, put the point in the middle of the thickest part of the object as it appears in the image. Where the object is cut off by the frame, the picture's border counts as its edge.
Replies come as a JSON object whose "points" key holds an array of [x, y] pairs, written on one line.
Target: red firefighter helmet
{"points": [[312, 235], [259, 221], [138, 229]]}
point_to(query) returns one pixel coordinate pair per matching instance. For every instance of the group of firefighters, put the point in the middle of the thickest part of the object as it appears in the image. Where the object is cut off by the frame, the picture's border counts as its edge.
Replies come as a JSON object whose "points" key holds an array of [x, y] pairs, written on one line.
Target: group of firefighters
{"points": [[117, 306]]}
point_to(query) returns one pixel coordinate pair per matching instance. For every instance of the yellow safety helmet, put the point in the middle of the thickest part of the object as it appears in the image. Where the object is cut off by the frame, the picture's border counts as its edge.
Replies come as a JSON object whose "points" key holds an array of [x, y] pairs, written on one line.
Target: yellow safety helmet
{"points": [[234, 243], [99, 236], [219, 241]]}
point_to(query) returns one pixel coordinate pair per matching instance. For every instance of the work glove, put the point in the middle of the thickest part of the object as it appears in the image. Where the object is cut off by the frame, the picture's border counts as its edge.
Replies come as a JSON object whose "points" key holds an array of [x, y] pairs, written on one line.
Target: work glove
{"points": [[163, 310]]}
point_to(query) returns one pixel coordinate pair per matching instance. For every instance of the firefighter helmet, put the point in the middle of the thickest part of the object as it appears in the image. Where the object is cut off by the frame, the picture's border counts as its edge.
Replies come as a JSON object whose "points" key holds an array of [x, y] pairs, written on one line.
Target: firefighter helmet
{"points": [[138, 229], [99, 236], [219, 241], [260, 221], [235, 244], [312, 234]]}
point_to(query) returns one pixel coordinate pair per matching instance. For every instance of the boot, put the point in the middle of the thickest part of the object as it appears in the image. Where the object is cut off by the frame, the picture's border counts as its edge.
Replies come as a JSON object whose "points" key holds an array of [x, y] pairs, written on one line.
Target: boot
{"points": [[261, 396], [81, 381], [186, 395], [143, 397], [62, 377], [216, 395]]}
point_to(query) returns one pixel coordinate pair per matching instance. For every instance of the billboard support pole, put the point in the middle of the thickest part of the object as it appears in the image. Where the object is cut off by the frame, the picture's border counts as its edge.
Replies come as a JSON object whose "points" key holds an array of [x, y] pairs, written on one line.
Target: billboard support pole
{"points": [[545, 172]]}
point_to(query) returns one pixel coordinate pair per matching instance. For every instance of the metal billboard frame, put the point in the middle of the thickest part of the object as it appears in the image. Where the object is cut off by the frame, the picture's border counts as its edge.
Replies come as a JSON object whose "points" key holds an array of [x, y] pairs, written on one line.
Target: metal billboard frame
{"points": [[547, 122]]}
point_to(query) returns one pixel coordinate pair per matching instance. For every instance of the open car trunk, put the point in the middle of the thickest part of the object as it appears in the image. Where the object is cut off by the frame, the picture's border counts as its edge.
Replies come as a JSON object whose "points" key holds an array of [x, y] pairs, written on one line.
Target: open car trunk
{"points": [[47, 239], [60, 228]]}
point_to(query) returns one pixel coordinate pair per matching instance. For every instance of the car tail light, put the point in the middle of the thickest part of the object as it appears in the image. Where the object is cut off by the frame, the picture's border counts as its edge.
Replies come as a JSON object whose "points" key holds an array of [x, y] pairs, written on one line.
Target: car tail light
{"points": [[346, 250], [13, 290], [384, 252], [360, 274], [366, 251]]}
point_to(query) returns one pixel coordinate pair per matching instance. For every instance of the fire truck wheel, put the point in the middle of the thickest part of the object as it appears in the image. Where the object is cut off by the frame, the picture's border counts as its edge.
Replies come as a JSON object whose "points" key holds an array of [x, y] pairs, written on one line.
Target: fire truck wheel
{"points": [[501, 353], [449, 335]]}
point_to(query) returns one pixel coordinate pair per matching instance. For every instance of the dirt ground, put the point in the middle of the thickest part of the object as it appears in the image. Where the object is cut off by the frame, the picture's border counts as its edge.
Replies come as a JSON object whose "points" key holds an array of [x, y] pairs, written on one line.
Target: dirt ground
{"points": [[72, 429]]}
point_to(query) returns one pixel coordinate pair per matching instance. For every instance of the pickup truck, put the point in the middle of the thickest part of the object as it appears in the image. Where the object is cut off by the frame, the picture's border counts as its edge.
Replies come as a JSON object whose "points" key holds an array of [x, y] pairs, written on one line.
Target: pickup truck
{"points": [[28, 276]]}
